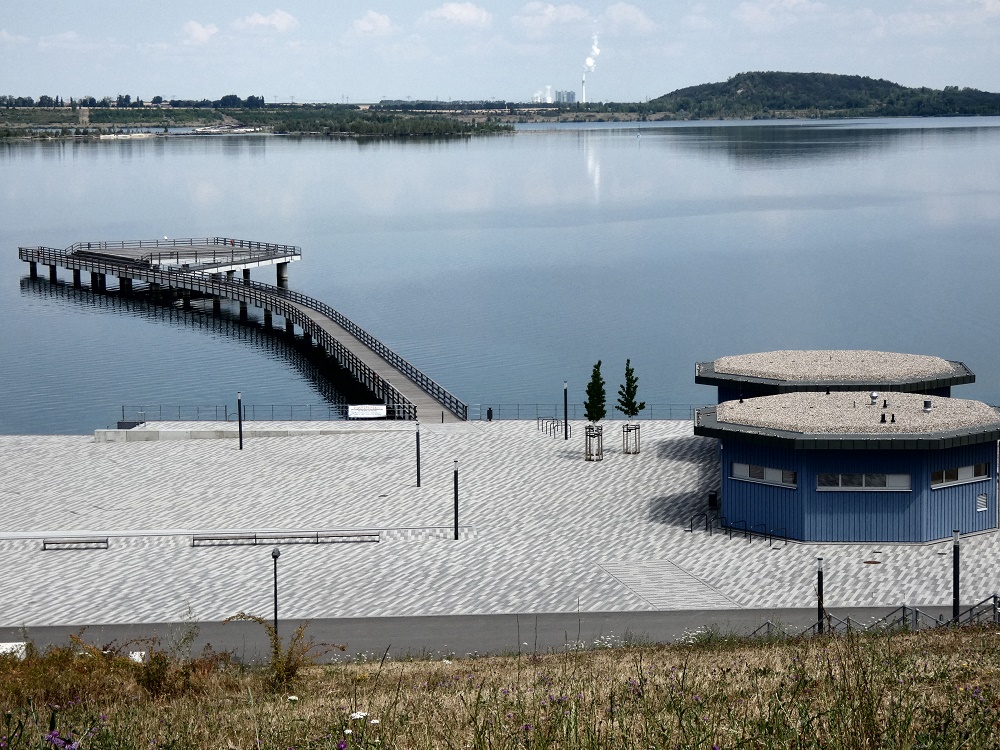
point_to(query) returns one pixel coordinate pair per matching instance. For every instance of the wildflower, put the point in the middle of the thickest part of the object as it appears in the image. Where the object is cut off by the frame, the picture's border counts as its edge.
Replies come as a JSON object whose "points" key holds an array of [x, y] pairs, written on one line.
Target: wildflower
{"points": [[348, 731], [341, 745], [375, 722], [293, 699], [359, 715]]}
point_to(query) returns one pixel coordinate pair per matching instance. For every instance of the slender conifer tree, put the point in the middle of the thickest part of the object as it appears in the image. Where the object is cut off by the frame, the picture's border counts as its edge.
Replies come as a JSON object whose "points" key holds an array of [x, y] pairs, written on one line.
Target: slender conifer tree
{"points": [[595, 405], [627, 392]]}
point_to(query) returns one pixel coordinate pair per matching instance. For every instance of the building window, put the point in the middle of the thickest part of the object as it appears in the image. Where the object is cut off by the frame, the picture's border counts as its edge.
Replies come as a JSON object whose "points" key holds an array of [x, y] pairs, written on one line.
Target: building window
{"points": [[982, 502], [961, 475], [863, 482], [764, 475]]}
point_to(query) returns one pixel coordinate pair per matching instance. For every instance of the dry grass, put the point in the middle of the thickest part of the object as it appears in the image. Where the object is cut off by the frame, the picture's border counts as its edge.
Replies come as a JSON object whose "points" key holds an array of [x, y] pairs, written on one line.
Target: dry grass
{"points": [[932, 689]]}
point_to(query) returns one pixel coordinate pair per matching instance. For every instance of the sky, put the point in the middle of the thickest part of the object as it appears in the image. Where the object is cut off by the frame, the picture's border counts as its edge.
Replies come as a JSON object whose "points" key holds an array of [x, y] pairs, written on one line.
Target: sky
{"points": [[367, 50]]}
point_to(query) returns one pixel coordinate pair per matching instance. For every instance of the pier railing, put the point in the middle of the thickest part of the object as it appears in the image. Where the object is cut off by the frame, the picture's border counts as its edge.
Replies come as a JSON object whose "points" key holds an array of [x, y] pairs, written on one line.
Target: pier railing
{"points": [[268, 247], [438, 392], [257, 294], [223, 249]]}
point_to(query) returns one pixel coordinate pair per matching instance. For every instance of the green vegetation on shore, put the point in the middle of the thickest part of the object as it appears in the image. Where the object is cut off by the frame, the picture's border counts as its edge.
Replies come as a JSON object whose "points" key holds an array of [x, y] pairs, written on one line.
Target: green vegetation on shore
{"points": [[937, 688], [775, 94], [319, 119]]}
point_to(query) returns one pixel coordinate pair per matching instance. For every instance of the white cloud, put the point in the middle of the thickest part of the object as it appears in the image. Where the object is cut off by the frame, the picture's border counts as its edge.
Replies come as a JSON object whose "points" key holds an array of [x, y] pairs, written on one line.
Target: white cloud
{"points": [[460, 14], [627, 18], [373, 24], [279, 21], [697, 18], [773, 15], [7, 38], [197, 33], [64, 40], [536, 18]]}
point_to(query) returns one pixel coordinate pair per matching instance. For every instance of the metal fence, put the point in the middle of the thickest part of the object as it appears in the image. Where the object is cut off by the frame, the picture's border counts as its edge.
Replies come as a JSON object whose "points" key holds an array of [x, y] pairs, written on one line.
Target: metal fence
{"points": [[228, 413], [576, 411]]}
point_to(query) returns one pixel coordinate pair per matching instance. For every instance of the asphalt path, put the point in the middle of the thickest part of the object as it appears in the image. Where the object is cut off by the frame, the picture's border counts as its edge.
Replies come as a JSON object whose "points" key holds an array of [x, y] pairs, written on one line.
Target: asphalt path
{"points": [[452, 636]]}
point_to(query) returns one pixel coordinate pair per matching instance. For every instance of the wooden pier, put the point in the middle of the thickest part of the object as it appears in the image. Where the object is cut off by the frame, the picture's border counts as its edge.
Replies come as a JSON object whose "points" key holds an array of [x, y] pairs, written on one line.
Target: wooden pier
{"points": [[208, 266]]}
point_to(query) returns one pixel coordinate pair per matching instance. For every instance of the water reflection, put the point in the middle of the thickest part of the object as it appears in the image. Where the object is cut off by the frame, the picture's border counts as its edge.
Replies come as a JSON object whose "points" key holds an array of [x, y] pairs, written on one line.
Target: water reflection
{"points": [[806, 144], [334, 385]]}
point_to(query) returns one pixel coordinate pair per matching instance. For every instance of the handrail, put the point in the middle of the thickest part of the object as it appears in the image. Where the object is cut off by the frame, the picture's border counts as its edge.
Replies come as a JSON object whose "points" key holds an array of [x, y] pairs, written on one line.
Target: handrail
{"points": [[439, 393], [187, 242], [259, 294]]}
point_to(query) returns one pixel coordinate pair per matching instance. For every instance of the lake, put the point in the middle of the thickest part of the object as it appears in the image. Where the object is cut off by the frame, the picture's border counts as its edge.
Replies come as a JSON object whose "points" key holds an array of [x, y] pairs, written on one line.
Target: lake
{"points": [[503, 266]]}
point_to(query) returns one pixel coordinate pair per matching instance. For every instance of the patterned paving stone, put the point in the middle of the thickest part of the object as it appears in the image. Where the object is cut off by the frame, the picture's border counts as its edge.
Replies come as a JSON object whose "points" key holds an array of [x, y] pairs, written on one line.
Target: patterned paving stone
{"points": [[541, 530]]}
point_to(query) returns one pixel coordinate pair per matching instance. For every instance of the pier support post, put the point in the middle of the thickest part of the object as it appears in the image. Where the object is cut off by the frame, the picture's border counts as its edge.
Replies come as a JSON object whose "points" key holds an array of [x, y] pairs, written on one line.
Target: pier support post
{"points": [[124, 285], [246, 275], [282, 275], [53, 277], [216, 304], [95, 281], [307, 338], [243, 311], [32, 269], [289, 327], [267, 319], [77, 283], [186, 295]]}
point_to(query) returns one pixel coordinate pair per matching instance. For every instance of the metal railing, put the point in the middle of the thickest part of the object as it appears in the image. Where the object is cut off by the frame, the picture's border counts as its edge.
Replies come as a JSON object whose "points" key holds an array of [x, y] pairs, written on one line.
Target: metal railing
{"points": [[576, 411], [228, 413], [277, 300], [269, 247], [432, 388]]}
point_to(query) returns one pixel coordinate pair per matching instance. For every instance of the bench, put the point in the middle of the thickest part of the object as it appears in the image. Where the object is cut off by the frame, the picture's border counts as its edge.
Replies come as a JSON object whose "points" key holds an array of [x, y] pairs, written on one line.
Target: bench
{"points": [[289, 537], [68, 542]]}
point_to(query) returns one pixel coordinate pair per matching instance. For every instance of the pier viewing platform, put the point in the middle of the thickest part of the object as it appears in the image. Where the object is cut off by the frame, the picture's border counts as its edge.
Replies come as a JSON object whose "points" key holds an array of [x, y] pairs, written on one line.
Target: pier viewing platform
{"points": [[208, 267]]}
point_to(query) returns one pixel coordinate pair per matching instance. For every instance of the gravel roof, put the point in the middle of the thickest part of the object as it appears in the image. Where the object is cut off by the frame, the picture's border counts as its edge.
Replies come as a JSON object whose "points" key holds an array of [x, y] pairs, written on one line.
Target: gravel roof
{"points": [[852, 413], [836, 365]]}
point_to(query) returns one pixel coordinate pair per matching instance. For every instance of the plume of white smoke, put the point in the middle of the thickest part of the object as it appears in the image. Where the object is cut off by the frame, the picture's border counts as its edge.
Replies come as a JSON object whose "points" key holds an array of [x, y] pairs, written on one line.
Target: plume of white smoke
{"points": [[591, 62]]}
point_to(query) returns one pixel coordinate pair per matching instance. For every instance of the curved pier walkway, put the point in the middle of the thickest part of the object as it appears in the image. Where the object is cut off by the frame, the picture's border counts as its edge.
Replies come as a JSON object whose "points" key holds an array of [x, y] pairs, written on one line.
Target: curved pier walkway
{"points": [[208, 266]]}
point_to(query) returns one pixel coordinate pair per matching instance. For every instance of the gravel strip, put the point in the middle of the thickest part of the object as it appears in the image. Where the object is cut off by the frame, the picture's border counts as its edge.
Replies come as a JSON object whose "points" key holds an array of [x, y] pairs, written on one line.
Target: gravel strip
{"points": [[850, 412], [859, 365]]}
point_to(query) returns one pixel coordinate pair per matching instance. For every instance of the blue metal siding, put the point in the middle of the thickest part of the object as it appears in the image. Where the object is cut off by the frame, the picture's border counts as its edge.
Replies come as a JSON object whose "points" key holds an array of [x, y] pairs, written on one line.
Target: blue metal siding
{"points": [[777, 508], [919, 515], [954, 507]]}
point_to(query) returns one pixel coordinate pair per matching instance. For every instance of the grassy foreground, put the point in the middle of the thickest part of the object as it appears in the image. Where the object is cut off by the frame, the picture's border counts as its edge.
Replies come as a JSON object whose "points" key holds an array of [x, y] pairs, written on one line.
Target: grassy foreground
{"points": [[933, 689]]}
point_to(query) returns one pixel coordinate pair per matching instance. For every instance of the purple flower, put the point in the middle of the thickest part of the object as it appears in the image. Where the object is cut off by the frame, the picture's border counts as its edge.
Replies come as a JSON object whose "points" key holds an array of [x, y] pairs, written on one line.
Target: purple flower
{"points": [[341, 745]]}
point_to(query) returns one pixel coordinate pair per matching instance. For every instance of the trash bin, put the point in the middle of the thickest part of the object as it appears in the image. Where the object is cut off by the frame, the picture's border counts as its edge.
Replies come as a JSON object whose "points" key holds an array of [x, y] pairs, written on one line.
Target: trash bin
{"points": [[489, 414]]}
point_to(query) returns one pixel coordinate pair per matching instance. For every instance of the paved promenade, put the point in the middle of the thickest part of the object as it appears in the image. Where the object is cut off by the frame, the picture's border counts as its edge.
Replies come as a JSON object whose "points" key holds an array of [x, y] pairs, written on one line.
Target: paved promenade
{"points": [[541, 529]]}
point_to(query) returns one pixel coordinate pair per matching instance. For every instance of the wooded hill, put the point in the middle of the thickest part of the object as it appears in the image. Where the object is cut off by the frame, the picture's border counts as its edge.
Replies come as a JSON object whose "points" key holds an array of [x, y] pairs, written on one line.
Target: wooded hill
{"points": [[765, 95]]}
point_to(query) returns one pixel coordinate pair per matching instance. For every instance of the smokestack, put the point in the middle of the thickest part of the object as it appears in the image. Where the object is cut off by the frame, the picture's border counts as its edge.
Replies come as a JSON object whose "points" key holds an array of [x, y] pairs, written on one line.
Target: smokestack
{"points": [[583, 99]]}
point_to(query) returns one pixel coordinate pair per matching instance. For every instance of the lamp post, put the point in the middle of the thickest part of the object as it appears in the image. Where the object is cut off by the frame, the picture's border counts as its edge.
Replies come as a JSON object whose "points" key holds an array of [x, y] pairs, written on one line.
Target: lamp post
{"points": [[456, 500], [275, 554], [565, 410], [819, 593], [239, 417], [418, 454], [954, 574]]}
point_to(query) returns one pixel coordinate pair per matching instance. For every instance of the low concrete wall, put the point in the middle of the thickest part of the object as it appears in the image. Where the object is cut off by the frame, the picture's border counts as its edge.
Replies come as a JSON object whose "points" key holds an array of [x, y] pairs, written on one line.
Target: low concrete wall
{"points": [[139, 436]]}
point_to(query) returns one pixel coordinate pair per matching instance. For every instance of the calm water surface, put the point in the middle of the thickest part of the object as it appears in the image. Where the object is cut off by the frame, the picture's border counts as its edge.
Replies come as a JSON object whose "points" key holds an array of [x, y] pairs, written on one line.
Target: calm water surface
{"points": [[503, 266]]}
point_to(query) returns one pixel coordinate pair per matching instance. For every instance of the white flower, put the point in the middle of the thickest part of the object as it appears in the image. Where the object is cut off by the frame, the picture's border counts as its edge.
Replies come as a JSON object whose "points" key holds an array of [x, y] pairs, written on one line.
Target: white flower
{"points": [[348, 731], [446, 661], [374, 721], [293, 699], [359, 715]]}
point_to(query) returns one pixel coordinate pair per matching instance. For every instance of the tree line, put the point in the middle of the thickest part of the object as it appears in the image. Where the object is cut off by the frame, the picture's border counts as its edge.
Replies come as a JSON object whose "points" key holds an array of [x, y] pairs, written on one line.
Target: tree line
{"points": [[125, 101], [778, 94]]}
